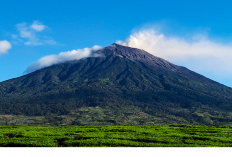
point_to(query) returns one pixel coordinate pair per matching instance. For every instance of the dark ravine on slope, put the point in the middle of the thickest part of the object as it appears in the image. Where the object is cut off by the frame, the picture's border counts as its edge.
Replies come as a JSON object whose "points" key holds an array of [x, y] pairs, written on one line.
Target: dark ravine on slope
{"points": [[126, 86]]}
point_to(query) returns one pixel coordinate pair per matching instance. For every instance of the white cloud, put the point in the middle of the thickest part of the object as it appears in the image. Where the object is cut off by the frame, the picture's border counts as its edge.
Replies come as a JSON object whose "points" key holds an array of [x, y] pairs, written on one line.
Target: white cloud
{"points": [[24, 30], [199, 53], [14, 36], [50, 42], [29, 34], [38, 26], [4, 46], [63, 57]]}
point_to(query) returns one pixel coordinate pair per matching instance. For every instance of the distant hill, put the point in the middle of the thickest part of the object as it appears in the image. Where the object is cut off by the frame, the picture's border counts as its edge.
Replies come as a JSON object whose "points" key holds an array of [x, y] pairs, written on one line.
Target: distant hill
{"points": [[126, 86]]}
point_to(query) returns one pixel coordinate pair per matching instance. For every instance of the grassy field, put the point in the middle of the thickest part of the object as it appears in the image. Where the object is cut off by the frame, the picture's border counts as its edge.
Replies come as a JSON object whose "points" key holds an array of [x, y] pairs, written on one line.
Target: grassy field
{"points": [[116, 136]]}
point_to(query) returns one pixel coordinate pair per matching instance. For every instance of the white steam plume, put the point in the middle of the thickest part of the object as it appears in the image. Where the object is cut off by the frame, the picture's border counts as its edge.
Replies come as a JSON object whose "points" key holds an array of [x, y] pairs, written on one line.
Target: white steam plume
{"points": [[63, 57], [200, 54], [4, 46]]}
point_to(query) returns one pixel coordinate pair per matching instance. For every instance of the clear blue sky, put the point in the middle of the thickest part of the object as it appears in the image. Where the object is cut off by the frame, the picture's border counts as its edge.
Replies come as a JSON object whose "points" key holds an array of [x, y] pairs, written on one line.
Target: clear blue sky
{"points": [[78, 24]]}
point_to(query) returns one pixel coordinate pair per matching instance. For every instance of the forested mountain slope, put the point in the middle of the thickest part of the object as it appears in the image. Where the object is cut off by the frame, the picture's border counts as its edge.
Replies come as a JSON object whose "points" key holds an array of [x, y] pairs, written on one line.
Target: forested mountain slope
{"points": [[124, 84]]}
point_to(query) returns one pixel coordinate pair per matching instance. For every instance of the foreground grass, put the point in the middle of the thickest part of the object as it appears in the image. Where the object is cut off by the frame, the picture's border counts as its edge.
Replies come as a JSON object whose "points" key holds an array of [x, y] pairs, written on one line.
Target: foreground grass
{"points": [[116, 136]]}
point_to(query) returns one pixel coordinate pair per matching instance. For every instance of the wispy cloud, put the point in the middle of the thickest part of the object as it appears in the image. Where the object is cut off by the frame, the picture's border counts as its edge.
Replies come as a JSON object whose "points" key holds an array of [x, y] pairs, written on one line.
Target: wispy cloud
{"points": [[30, 34], [4, 46], [38, 26], [63, 57], [199, 53]]}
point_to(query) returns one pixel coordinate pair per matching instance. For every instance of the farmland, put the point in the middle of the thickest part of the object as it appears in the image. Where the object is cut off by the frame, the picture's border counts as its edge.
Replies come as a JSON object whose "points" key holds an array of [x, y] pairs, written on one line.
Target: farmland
{"points": [[116, 136]]}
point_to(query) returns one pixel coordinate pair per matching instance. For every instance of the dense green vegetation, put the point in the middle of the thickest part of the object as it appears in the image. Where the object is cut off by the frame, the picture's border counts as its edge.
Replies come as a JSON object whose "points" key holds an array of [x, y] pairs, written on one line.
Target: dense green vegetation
{"points": [[125, 86], [116, 136], [97, 116]]}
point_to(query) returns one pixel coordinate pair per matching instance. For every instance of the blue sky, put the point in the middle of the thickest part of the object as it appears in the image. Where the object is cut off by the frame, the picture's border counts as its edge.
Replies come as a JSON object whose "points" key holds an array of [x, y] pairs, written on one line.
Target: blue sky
{"points": [[195, 34]]}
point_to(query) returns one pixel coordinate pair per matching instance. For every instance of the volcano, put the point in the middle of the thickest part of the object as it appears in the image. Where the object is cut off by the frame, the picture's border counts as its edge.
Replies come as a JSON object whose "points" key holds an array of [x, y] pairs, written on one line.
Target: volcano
{"points": [[124, 86]]}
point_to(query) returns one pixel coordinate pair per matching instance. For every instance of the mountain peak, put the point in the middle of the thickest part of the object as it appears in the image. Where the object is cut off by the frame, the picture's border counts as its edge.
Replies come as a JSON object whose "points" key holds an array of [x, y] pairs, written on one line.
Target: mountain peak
{"points": [[137, 55], [114, 45]]}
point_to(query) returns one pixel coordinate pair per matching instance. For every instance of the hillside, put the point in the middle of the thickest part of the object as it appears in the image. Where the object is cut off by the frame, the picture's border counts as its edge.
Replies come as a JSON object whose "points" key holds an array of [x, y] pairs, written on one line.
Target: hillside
{"points": [[125, 86]]}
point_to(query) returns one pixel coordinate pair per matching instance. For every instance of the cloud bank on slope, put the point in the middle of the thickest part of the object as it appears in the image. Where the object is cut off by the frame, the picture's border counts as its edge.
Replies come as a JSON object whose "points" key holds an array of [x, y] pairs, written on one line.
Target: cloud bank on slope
{"points": [[63, 57], [4, 46], [200, 54]]}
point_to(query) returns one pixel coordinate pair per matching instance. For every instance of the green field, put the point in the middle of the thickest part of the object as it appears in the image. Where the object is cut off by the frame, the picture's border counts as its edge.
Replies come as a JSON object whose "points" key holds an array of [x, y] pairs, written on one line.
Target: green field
{"points": [[116, 136]]}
